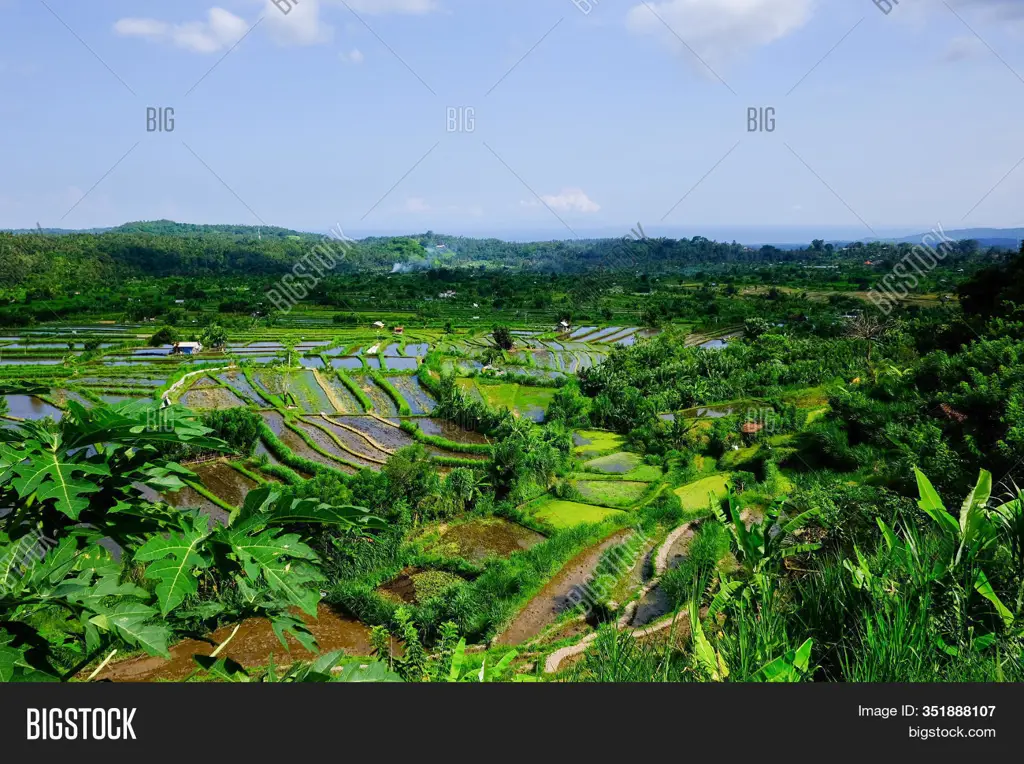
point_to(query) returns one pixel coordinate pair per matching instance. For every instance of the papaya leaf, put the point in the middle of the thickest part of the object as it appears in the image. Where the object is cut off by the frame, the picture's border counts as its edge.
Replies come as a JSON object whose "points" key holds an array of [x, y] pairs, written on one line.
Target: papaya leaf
{"points": [[133, 622], [285, 625], [11, 658], [225, 669], [265, 506], [50, 474], [172, 558], [279, 560]]}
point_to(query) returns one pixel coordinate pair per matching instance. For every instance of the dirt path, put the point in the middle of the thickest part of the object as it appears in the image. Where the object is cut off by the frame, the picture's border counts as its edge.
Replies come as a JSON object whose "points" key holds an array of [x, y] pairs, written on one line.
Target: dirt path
{"points": [[677, 540], [664, 556], [252, 646], [171, 390], [553, 599]]}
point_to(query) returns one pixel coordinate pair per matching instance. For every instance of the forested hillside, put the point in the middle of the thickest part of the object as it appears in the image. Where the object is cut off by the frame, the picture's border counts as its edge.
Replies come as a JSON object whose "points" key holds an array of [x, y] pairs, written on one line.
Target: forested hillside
{"points": [[55, 264]]}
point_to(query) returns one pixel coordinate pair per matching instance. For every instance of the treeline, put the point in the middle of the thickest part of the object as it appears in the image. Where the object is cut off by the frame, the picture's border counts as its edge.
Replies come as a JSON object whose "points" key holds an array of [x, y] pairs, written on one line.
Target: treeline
{"points": [[56, 264]]}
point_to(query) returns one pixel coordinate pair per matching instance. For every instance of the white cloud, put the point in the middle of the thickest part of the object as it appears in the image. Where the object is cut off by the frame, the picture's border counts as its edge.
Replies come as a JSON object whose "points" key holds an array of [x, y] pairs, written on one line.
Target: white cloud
{"points": [[354, 56], [962, 48], [302, 25], [392, 6], [718, 30], [220, 31], [417, 206], [569, 200], [142, 28]]}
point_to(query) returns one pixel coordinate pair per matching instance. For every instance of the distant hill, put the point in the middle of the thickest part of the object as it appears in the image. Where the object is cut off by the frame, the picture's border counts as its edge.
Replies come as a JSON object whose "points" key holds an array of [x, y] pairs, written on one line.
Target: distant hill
{"points": [[54, 231], [1007, 238], [170, 228]]}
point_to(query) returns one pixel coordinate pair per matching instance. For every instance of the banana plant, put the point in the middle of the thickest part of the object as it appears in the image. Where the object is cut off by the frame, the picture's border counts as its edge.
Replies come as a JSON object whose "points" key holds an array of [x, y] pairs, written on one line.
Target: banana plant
{"points": [[493, 672], [790, 667], [765, 541], [974, 532], [970, 537], [1009, 518]]}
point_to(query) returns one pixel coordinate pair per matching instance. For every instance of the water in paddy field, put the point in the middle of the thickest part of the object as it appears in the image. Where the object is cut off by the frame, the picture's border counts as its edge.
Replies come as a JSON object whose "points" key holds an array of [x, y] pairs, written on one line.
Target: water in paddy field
{"points": [[383, 405], [274, 421], [227, 483], [391, 350], [206, 394], [401, 364], [112, 399], [714, 345], [478, 540], [30, 407], [355, 441], [450, 431], [30, 362], [710, 412], [35, 345], [410, 388], [325, 443], [601, 335], [190, 498], [241, 386], [418, 350], [389, 437], [311, 362], [351, 364], [163, 350], [344, 401]]}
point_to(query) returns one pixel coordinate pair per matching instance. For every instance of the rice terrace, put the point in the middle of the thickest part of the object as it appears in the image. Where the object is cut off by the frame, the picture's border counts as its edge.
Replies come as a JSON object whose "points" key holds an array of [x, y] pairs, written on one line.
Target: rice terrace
{"points": [[514, 472]]}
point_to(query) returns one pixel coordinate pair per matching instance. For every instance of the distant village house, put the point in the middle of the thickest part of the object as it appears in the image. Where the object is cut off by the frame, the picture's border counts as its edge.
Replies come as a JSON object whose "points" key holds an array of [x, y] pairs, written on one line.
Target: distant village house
{"points": [[187, 348]]}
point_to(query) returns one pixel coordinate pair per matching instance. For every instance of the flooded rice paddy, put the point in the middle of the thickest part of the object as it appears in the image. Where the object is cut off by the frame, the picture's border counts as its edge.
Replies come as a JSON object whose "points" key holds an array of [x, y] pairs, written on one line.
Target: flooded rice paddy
{"points": [[479, 540]]}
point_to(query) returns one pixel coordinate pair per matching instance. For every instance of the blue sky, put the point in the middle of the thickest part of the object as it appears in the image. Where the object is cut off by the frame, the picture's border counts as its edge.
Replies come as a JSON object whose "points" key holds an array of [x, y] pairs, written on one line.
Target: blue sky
{"points": [[588, 115]]}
